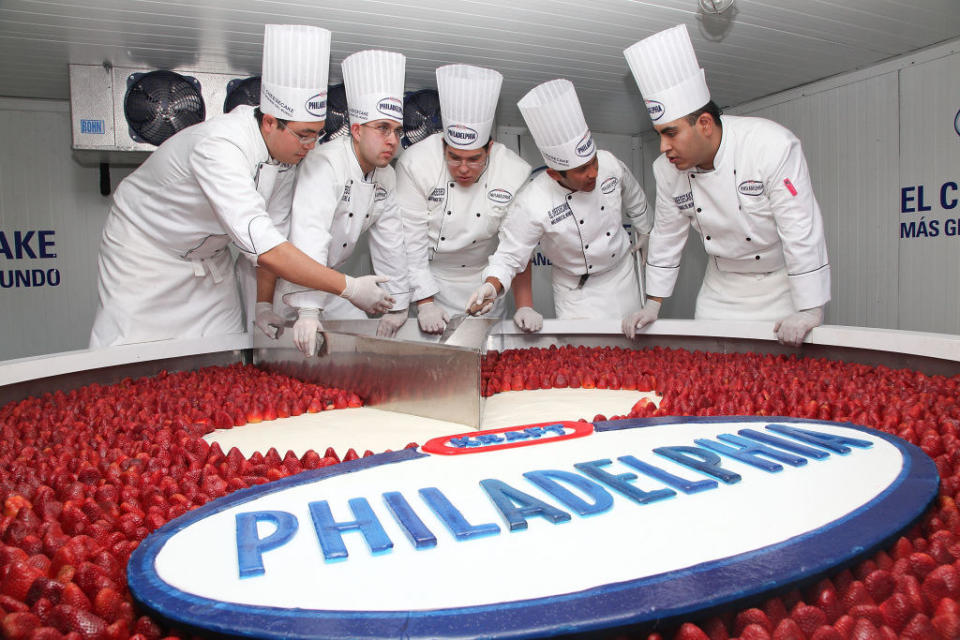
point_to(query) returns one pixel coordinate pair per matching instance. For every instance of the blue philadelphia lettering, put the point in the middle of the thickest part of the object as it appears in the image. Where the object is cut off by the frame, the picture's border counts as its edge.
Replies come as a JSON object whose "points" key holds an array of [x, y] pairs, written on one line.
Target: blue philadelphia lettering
{"points": [[586, 491], [35, 244], [913, 198]]}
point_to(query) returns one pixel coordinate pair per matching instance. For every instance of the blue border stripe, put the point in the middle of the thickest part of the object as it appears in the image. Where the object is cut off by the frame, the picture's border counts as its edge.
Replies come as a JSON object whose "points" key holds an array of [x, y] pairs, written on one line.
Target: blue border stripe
{"points": [[668, 595]]}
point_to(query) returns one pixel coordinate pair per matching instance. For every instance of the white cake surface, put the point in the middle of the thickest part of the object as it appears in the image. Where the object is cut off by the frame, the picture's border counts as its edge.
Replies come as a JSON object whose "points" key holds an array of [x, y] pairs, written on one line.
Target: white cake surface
{"points": [[377, 430]]}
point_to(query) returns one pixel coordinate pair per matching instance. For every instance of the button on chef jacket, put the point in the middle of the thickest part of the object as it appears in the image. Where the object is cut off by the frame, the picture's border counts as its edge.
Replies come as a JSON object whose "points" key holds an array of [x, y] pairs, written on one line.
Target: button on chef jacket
{"points": [[451, 230], [164, 267], [580, 232], [333, 204], [755, 211]]}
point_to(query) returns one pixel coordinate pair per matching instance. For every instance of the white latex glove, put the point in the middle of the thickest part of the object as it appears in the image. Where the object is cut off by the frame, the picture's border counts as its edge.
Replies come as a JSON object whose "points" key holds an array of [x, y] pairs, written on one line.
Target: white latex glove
{"points": [[390, 323], [640, 243], [528, 319], [484, 298], [268, 321], [305, 331], [640, 319], [795, 327], [364, 293], [432, 318]]}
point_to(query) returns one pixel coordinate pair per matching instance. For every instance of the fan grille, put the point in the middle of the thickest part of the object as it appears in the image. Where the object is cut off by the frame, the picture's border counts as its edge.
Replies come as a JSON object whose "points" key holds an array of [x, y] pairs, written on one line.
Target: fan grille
{"points": [[421, 116], [160, 103], [246, 91]]}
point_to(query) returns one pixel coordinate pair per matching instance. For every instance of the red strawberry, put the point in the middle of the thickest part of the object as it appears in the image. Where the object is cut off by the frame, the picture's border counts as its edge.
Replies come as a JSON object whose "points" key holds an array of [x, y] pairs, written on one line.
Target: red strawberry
{"points": [[690, 631], [18, 580], [845, 625], [826, 633], [947, 625], [147, 628], [942, 582], [46, 633], [119, 630], [788, 630], [808, 618], [829, 602], [107, 603], [775, 610], [855, 594], [921, 564], [11, 605], [73, 596], [869, 611], [897, 611], [755, 632], [919, 628], [865, 630], [880, 585], [910, 587], [44, 588], [19, 625], [748, 617], [68, 619], [716, 629]]}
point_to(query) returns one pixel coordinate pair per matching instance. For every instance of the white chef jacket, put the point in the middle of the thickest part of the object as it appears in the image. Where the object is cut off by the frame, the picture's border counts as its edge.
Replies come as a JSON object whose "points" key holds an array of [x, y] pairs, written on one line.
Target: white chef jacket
{"points": [[451, 230], [581, 233], [755, 211], [164, 267], [333, 204]]}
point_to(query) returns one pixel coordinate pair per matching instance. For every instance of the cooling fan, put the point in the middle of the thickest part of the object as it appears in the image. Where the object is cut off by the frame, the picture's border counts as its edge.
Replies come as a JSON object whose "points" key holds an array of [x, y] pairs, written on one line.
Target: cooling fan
{"points": [[242, 91], [421, 116], [160, 103]]}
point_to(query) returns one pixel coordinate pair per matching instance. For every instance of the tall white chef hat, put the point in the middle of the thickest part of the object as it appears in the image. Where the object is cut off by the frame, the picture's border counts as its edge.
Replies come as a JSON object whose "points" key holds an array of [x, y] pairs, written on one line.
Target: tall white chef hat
{"points": [[468, 100], [668, 74], [296, 65], [374, 83], [553, 115]]}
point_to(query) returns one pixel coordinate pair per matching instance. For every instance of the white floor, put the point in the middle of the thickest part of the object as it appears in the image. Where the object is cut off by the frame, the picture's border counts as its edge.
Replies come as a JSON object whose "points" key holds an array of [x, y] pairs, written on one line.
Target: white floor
{"points": [[365, 428]]}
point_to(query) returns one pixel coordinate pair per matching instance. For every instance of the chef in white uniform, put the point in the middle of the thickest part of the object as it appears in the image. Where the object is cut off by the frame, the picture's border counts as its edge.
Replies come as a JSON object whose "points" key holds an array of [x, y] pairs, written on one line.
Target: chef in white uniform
{"points": [[575, 210], [743, 185], [347, 187], [456, 189], [164, 267]]}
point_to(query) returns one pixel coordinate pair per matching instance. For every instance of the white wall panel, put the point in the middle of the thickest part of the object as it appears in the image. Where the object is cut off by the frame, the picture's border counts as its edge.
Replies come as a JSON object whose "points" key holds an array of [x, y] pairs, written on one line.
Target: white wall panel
{"points": [[42, 189], [928, 194], [849, 137]]}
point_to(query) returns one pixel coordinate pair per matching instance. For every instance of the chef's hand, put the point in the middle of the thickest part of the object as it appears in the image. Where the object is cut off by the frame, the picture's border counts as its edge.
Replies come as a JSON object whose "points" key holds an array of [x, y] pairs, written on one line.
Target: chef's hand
{"points": [[640, 243], [364, 293], [268, 321], [795, 327], [390, 323], [528, 319], [639, 319], [481, 301], [431, 317], [306, 330]]}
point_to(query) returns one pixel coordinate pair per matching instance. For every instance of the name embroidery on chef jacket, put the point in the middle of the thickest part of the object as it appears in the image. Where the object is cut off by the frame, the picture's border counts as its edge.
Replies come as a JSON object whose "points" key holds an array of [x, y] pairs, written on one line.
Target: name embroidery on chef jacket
{"points": [[684, 201], [380, 194], [346, 193], [438, 194], [561, 212]]}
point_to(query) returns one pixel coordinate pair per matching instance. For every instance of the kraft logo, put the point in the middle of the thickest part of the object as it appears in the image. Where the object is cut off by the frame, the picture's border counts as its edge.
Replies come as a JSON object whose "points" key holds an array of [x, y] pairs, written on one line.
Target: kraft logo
{"points": [[460, 134], [317, 105], [585, 147], [391, 107], [608, 185], [380, 194], [500, 196], [655, 109], [754, 504], [750, 187]]}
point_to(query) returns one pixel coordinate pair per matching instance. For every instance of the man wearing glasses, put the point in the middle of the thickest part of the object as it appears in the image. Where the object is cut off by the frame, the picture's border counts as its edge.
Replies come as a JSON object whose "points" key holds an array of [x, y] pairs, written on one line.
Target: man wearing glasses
{"points": [[455, 190], [165, 270], [345, 188]]}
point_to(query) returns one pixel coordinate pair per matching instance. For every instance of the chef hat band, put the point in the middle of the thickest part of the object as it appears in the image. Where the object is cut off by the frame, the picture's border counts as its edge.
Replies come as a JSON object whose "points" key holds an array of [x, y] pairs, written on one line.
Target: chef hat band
{"points": [[670, 78], [373, 80], [468, 101], [555, 119], [296, 65]]}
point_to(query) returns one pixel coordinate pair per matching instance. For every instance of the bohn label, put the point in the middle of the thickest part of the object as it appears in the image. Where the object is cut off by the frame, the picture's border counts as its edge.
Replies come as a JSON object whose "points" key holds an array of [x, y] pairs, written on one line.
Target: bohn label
{"points": [[552, 528]]}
